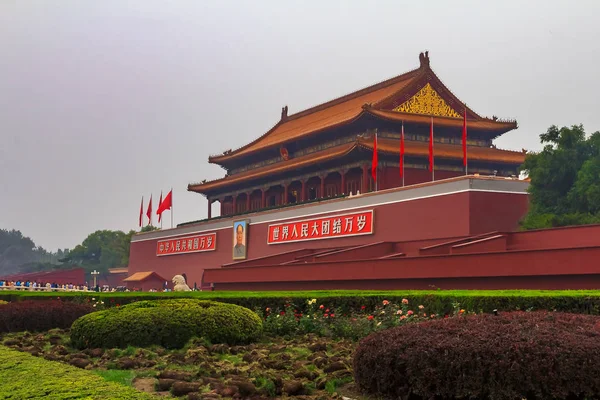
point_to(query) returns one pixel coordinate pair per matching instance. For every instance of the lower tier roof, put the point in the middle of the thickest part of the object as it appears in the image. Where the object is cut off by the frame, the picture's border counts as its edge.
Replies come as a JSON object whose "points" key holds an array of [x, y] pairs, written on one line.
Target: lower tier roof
{"points": [[386, 146]]}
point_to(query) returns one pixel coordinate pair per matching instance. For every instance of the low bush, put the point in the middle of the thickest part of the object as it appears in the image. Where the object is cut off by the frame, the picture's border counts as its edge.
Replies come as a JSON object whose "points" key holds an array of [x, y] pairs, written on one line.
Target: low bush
{"points": [[40, 315], [23, 376], [533, 355], [168, 323], [346, 301]]}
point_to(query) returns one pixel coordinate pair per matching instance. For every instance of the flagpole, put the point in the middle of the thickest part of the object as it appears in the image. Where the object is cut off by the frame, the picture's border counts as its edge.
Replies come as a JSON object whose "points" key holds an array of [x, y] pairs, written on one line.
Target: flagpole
{"points": [[432, 156], [159, 204], [465, 144], [172, 208], [402, 138], [376, 167]]}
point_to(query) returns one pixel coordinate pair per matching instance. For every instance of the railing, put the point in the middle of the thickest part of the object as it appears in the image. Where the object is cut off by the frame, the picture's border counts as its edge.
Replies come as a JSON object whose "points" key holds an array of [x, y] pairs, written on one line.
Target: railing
{"points": [[281, 206], [42, 289]]}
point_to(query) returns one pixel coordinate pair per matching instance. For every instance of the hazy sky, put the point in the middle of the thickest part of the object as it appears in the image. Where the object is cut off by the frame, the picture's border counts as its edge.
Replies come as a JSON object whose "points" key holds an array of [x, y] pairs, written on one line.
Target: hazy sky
{"points": [[103, 101]]}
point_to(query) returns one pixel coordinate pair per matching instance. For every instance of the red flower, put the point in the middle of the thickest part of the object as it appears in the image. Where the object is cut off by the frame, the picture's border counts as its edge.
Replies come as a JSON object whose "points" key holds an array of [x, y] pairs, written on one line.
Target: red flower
{"points": [[118, 305], [282, 313], [327, 310], [321, 307], [325, 315], [370, 317], [363, 307], [332, 315]]}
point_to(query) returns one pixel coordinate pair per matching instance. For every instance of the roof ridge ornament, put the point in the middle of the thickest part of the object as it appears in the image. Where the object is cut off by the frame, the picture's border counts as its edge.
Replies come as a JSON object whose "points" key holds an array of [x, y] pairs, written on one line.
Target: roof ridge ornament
{"points": [[284, 113], [424, 59]]}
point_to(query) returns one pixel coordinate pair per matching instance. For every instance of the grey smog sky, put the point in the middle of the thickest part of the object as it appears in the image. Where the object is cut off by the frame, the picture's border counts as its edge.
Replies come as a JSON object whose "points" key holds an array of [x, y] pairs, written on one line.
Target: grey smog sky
{"points": [[102, 102]]}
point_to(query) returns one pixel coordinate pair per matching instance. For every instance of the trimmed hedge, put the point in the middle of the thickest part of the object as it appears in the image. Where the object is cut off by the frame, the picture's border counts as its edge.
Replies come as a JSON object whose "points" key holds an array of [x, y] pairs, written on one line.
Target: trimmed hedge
{"points": [[168, 323], [533, 355], [23, 376], [35, 316], [437, 301]]}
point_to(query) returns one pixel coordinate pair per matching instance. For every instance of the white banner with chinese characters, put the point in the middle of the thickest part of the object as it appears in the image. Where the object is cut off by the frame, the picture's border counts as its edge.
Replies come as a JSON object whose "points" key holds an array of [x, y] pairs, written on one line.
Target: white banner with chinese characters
{"points": [[188, 244], [330, 227]]}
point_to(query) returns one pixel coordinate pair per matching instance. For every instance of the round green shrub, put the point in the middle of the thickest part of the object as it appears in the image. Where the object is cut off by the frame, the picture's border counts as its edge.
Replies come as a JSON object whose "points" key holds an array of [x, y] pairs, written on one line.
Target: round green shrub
{"points": [[532, 355], [168, 323]]}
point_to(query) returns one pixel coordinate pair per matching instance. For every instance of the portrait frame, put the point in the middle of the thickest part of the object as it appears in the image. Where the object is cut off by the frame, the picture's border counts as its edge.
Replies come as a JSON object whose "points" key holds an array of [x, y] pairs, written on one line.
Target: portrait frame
{"points": [[238, 253]]}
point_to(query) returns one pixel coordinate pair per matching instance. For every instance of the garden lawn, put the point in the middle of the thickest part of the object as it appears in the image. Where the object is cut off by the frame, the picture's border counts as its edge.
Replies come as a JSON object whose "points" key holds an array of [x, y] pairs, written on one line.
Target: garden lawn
{"points": [[23, 376]]}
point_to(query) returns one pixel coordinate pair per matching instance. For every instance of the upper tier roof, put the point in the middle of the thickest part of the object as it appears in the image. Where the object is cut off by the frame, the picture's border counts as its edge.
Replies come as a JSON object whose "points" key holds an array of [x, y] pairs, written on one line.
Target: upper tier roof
{"points": [[410, 97]]}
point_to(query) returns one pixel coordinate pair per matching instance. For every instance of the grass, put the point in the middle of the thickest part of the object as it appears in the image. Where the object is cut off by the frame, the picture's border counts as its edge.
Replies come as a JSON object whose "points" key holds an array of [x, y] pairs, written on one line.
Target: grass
{"points": [[332, 385], [23, 376], [298, 352], [232, 358], [123, 377]]}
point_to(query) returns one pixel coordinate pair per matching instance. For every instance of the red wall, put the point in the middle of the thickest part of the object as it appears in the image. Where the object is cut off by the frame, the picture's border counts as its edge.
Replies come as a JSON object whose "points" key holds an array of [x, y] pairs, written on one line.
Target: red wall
{"points": [[496, 211], [447, 216], [531, 269]]}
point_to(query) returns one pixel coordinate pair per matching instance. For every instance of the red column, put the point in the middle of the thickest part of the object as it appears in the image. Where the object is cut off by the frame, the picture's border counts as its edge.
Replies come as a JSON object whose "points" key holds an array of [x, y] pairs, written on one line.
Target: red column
{"points": [[285, 193], [248, 201], [234, 203], [323, 186], [303, 194], [343, 188], [365, 179], [209, 208], [263, 198]]}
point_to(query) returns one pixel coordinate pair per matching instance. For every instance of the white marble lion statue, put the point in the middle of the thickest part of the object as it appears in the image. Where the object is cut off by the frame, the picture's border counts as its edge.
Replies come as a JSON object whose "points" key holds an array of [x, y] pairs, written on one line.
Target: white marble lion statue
{"points": [[179, 284]]}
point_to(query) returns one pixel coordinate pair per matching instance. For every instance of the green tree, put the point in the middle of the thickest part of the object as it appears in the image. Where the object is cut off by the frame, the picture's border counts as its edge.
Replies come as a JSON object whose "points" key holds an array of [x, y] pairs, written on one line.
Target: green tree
{"points": [[565, 179], [103, 250], [19, 254]]}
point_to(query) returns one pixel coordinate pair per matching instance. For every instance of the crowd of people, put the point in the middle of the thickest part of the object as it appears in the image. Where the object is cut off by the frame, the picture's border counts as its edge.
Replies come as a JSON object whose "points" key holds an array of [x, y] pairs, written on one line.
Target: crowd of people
{"points": [[28, 285]]}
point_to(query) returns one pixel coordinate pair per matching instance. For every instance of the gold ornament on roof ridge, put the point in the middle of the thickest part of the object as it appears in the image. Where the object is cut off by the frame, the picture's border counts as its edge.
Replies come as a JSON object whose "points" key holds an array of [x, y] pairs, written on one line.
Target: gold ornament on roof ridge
{"points": [[428, 102]]}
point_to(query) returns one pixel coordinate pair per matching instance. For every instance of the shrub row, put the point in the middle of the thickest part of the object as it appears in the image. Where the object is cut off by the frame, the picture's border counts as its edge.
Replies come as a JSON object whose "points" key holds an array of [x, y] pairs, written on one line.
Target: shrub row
{"points": [[23, 376], [168, 323], [533, 355], [438, 302], [34, 316]]}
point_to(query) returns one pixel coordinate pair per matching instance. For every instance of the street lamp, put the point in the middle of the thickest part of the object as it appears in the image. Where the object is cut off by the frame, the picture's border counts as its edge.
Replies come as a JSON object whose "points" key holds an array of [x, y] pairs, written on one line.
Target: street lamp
{"points": [[95, 273]]}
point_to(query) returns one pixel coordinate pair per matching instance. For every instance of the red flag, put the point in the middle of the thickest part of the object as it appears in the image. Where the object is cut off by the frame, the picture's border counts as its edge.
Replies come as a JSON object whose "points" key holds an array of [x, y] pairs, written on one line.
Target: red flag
{"points": [[375, 161], [141, 211], [431, 146], [159, 211], [149, 212], [166, 203], [402, 151], [464, 138]]}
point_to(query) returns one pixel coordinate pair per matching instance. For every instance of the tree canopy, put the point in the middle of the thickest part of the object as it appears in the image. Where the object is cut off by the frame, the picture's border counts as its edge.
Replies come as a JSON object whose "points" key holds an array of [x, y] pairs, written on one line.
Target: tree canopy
{"points": [[565, 179], [101, 250], [19, 253]]}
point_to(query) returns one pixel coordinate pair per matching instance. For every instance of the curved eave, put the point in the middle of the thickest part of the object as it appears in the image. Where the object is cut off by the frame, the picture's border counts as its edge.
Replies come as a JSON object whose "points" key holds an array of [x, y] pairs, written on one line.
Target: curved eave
{"points": [[284, 166], [228, 157], [495, 127], [445, 151]]}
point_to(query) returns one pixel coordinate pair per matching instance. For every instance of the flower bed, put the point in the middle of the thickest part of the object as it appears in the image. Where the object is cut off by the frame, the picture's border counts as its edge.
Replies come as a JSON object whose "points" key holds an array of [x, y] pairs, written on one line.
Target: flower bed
{"points": [[535, 355], [308, 366], [326, 320]]}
